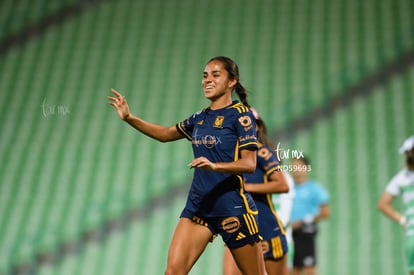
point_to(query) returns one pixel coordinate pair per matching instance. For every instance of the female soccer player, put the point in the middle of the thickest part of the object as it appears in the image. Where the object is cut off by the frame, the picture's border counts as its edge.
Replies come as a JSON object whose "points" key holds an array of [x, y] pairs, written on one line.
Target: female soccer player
{"points": [[267, 179], [224, 142]]}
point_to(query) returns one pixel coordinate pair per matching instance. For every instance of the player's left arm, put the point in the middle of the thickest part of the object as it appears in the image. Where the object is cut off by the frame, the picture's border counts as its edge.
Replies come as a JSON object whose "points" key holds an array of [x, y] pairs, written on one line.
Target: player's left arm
{"points": [[324, 212]]}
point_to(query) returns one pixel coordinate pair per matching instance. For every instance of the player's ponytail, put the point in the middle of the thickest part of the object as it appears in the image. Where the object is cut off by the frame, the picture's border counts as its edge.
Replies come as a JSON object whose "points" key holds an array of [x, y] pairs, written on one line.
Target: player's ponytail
{"points": [[242, 93], [233, 70]]}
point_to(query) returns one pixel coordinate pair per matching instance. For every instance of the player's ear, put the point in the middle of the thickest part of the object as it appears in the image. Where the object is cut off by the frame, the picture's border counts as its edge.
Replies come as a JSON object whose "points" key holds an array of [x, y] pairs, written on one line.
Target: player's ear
{"points": [[232, 83]]}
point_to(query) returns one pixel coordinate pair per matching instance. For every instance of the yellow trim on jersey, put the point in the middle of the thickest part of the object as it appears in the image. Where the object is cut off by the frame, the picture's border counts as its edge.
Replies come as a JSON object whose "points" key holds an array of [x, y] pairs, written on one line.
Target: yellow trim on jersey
{"points": [[246, 204], [240, 107], [249, 143], [274, 169], [183, 131], [199, 220], [236, 151], [270, 203]]}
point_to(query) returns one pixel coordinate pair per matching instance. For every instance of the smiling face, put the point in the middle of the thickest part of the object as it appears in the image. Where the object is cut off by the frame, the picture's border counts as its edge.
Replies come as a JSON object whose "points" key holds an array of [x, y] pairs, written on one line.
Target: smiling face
{"points": [[216, 83]]}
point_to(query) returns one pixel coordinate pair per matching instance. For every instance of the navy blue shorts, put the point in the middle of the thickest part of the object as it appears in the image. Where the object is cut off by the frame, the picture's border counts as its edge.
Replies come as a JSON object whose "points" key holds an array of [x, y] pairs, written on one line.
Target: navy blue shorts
{"points": [[236, 231], [274, 241]]}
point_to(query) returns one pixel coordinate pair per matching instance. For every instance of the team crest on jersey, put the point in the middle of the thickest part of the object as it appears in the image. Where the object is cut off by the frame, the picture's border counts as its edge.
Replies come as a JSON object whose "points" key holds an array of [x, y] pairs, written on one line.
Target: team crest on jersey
{"points": [[218, 123], [231, 224], [200, 122]]}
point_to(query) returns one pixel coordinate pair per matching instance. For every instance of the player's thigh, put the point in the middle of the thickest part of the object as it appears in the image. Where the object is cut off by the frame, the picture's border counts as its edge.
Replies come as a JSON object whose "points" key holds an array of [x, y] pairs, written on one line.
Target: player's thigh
{"points": [[229, 265], [277, 267], [311, 270], [188, 242], [249, 259]]}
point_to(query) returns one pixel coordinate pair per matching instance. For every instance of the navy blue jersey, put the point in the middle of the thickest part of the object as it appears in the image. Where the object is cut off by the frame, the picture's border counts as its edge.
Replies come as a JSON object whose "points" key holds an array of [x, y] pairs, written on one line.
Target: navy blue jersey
{"points": [[219, 135]]}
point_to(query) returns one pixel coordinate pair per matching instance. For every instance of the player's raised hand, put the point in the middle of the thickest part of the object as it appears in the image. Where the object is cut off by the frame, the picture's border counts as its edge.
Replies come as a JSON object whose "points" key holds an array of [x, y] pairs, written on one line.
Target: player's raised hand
{"points": [[120, 104]]}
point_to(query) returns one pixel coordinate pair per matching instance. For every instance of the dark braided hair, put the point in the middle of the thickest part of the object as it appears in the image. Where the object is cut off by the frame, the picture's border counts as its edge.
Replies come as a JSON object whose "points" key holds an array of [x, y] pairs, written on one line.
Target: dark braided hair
{"points": [[233, 70], [261, 128]]}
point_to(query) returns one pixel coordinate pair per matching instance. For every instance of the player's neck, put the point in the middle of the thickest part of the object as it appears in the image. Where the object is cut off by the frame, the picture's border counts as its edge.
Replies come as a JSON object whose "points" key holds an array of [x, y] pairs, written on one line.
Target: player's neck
{"points": [[300, 180], [220, 103]]}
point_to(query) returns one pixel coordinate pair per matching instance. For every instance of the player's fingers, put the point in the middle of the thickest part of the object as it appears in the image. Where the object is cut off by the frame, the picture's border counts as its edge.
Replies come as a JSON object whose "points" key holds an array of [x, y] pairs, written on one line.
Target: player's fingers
{"points": [[115, 92]]}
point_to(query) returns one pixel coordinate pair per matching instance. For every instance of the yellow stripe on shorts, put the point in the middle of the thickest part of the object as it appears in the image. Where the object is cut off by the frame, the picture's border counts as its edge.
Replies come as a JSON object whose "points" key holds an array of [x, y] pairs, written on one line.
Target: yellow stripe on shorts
{"points": [[251, 224], [277, 249]]}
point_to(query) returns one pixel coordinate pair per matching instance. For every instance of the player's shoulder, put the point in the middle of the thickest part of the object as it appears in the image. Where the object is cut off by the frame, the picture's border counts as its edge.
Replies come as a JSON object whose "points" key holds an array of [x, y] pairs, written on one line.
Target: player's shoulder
{"points": [[316, 185], [238, 108], [199, 112], [404, 176], [262, 145], [264, 150]]}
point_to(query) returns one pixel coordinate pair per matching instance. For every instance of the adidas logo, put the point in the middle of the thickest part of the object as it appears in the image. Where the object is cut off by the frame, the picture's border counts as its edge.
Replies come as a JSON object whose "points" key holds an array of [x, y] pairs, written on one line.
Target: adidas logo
{"points": [[240, 236]]}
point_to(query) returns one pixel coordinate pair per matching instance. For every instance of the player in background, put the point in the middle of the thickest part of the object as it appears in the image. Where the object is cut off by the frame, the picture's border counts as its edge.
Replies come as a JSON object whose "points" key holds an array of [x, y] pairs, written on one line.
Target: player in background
{"points": [[402, 185], [267, 179], [283, 204], [310, 206]]}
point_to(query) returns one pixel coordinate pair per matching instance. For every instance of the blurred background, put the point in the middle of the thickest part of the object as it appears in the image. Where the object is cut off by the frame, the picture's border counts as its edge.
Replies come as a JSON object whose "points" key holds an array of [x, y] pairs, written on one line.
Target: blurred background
{"points": [[83, 193]]}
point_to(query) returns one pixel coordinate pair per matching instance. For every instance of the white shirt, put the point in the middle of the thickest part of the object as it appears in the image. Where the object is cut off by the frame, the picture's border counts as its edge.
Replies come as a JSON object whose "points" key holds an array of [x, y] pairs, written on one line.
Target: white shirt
{"points": [[403, 184], [283, 205]]}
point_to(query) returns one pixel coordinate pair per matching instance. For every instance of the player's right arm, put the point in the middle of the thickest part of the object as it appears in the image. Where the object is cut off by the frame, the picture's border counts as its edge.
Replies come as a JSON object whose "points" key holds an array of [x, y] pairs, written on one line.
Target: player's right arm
{"points": [[385, 206], [155, 131]]}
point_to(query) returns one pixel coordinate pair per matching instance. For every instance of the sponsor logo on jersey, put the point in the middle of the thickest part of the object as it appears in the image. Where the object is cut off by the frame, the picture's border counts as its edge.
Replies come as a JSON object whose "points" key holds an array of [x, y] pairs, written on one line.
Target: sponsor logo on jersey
{"points": [[245, 121], [231, 224], [248, 137]]}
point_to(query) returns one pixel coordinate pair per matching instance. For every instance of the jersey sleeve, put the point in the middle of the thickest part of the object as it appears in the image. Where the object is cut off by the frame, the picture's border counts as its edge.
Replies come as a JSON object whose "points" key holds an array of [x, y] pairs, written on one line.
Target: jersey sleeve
{"points": [[246, 131], [268, 160], [322, 195], [186, 127], [393, 187]]}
